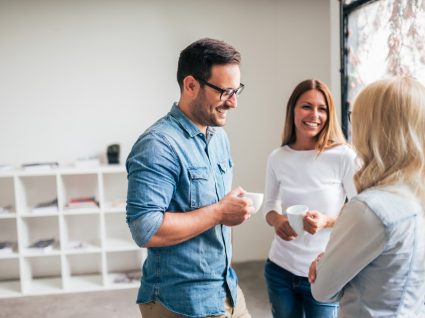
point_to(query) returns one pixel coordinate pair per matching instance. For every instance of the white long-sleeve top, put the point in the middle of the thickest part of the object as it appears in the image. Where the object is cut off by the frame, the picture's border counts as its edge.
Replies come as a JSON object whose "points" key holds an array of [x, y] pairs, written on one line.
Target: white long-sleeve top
{"points": [[374, 263], [322, 182]]}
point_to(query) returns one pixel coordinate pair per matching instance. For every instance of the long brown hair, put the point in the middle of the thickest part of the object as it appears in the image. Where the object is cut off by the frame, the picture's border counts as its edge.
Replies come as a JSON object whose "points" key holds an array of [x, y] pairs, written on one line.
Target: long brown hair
{"points": [[331, 134]]}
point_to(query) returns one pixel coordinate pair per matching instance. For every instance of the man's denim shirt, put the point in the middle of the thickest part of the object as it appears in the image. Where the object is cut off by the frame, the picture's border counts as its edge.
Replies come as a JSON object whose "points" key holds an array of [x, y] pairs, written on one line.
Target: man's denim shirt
{"points": [[174, 167]]}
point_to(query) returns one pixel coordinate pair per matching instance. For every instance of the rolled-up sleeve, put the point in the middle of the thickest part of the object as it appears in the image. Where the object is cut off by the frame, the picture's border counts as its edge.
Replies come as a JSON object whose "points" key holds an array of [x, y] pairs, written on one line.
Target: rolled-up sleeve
{"points": [[153, 170]]}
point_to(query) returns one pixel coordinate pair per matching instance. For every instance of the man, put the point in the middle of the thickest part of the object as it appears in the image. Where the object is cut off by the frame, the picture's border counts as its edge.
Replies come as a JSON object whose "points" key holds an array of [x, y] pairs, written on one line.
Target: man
{"points": [[179, 205]]}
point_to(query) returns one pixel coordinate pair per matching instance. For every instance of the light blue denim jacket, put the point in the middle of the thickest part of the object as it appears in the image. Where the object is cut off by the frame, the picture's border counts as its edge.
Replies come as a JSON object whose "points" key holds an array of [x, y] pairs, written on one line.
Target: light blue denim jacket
{"points": [[375, 260], [174, 167]]}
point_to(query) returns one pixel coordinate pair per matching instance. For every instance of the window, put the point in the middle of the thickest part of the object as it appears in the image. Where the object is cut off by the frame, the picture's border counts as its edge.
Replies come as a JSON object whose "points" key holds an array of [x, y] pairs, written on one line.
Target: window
{"points": [[380, 38]]}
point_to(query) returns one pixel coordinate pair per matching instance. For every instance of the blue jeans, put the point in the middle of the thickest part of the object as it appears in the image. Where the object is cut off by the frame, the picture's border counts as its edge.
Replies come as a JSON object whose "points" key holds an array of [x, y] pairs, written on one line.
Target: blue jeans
{"points": [[290, 295]]}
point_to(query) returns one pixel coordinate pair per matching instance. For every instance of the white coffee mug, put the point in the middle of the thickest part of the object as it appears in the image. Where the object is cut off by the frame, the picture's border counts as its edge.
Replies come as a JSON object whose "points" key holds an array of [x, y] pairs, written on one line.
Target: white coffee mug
{"points": [[256, 198], [295, 214]]}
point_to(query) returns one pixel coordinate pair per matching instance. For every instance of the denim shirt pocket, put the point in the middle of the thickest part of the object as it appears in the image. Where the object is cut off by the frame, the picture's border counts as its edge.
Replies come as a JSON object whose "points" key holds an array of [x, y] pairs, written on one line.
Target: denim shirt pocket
{"points": [[225, 169], [201, 187]]}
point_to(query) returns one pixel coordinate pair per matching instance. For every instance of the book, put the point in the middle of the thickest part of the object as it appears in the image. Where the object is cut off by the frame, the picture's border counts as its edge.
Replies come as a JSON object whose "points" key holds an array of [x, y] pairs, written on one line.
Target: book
{"points": [[46, 207], [36, 166], [80, 203], [44, 245]]}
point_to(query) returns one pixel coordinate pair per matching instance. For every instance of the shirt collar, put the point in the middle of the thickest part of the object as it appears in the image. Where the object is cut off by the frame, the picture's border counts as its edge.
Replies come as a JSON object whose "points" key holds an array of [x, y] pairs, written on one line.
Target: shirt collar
{"points": [[187, 124]]}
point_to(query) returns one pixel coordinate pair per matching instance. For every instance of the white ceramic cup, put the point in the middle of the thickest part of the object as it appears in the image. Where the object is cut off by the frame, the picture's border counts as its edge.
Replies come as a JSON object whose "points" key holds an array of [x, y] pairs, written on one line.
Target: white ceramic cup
{"points": [[256, 198], [296, 215]]}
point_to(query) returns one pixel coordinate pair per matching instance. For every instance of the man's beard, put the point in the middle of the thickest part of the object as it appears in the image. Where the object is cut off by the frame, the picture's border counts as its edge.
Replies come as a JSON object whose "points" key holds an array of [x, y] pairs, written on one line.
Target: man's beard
{"points": [[207, 115]]}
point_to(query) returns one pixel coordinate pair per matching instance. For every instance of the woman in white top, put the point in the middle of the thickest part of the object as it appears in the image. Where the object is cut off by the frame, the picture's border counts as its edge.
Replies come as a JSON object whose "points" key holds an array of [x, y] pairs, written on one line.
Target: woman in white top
{"points": [[374, 263], [313, 167]]}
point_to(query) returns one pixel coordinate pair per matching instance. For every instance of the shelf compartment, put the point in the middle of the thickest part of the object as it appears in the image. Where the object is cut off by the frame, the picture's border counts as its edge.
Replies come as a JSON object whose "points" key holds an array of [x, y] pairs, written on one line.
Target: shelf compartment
{"points": [[8, 233], [117, 233], [34, 190], [83, 272], [34, 229], [10, 284], [109, 257], [7, 197], [42, 275], [114, 191], [78, 186], [124, 268], [81, 233]]}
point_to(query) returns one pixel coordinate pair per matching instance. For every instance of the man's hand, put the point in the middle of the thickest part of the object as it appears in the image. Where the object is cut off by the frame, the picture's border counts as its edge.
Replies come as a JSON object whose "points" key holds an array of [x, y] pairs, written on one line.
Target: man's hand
{"points": [[314, 221], [234, 209]]}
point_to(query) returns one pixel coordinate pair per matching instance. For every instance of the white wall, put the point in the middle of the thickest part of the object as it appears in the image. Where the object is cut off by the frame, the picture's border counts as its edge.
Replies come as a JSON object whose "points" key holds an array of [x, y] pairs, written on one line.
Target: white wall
{"points": [[294, 45], [76, 76]]}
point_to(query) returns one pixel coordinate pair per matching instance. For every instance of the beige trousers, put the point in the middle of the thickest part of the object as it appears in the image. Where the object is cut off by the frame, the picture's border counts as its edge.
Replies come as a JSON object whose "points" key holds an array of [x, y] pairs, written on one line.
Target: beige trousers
{"points": [[156, 310]]}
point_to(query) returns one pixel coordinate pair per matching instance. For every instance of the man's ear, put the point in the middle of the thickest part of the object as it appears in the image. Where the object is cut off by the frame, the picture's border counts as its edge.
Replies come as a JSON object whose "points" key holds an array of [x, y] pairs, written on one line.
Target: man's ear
{"points": [[190, 86]]}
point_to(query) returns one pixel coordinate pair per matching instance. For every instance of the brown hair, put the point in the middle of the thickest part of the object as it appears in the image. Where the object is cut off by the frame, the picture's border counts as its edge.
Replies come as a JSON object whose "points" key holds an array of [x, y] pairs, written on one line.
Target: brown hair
{"points": [[198, 58], [331, 134]]}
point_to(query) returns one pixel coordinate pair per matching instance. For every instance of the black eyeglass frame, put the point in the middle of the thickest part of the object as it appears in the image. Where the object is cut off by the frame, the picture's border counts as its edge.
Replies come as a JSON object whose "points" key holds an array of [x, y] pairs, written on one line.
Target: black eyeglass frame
{"points": [[229, 92]]}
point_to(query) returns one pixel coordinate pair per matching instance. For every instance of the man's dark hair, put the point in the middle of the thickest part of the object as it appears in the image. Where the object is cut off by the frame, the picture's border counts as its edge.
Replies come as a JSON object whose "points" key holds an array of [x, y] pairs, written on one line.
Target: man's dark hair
{"points": [[198, 58]]}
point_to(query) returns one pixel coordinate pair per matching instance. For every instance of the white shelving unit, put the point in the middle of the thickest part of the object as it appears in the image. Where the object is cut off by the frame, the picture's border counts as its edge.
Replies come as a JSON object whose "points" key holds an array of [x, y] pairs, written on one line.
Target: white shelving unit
{"points": [[93, 248]]}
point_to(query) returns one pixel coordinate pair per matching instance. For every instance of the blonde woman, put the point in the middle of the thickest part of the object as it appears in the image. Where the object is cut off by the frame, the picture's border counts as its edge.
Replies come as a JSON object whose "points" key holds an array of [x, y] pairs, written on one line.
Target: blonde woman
{"points": [[375, 261], [314, 166]]}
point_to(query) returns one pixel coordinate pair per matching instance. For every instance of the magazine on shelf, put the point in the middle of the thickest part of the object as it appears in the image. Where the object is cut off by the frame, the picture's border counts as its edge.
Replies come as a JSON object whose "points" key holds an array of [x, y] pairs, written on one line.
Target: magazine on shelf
{"points": [[6, 247], [45, 207], [82, 203], [39, 166], [44, 245]]}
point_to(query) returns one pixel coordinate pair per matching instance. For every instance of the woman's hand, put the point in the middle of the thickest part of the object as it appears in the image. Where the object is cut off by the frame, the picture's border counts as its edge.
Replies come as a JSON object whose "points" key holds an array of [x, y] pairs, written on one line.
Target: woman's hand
{"points": [[314, 221], [313, 269], [281, 226]]}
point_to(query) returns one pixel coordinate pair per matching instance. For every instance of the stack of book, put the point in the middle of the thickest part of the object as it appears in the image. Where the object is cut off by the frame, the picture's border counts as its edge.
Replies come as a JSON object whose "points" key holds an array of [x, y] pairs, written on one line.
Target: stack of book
{"points": [[6, 247], [36, 166], [42, 246], [82, 203], [46, 207]]}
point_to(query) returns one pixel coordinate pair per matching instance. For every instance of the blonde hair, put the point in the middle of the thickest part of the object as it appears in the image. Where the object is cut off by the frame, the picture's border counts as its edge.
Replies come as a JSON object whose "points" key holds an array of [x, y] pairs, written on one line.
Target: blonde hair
{"points": [[331, 134], [389, 134]]}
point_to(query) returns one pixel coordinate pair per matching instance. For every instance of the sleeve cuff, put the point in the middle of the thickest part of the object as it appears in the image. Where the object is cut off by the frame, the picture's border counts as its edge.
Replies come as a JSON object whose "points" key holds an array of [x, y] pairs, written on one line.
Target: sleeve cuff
{"points": [[143, 228]]}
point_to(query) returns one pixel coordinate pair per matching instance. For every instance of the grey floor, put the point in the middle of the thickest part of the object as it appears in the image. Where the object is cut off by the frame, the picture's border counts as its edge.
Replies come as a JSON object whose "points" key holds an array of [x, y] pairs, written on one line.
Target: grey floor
{"points": [[121, 303]]}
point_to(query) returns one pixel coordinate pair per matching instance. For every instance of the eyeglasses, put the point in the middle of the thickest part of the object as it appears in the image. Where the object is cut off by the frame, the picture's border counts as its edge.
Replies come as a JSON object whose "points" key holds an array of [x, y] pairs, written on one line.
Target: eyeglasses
{"points": [[225, 94], [349, 116]]}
